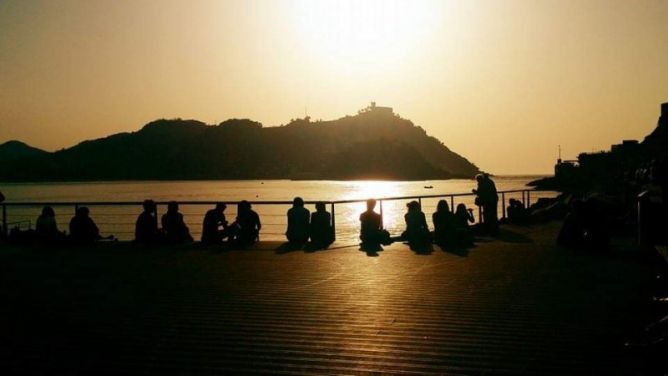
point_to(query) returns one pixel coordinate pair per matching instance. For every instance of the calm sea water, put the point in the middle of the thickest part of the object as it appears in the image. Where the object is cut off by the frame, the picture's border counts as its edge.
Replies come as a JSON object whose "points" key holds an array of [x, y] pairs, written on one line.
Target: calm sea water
{"points": [[120, 220]]}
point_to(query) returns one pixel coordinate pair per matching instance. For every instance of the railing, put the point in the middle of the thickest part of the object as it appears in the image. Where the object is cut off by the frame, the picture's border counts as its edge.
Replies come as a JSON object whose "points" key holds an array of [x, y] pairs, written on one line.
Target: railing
{"points": [[125, 227]]}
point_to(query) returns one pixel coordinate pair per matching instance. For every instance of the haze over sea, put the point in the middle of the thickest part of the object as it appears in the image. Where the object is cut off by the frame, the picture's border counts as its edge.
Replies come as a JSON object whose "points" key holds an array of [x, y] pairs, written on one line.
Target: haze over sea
{"points": [[119, 220]]}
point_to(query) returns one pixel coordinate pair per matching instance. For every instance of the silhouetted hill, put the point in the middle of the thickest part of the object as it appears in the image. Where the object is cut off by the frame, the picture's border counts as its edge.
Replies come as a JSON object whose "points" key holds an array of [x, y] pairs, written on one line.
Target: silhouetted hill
{"points": [[12, 150], [371, 145]]}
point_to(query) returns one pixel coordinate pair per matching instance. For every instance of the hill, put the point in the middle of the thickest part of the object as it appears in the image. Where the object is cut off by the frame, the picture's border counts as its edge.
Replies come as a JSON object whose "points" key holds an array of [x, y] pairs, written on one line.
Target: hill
{"points": [[374, 144]]}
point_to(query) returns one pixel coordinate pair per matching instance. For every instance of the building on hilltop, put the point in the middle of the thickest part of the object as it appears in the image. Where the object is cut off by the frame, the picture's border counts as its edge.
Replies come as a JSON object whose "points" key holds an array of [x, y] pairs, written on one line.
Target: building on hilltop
{"points": [[377, 110]]}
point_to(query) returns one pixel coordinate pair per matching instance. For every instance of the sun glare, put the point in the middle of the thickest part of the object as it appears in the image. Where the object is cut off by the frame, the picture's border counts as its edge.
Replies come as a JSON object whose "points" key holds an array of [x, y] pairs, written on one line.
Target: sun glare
{"points": [[370, 31]]}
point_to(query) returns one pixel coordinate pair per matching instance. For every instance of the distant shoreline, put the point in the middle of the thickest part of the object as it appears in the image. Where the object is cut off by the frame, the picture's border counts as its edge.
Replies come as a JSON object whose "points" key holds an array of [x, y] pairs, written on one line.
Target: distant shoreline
{"points": [[37, 182]]}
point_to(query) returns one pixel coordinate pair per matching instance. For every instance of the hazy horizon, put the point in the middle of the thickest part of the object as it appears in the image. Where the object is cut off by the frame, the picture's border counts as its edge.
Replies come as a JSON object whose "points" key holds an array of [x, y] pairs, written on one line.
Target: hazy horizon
{"points": [[502, 83]]}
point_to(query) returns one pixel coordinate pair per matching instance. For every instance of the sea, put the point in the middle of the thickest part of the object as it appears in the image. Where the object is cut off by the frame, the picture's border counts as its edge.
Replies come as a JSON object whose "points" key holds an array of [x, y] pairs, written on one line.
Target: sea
{"points": [[119, 220]]}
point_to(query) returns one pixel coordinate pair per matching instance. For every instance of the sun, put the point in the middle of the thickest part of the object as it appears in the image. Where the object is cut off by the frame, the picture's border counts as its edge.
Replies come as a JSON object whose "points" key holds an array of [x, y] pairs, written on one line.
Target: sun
{"points": [[346, 31]]}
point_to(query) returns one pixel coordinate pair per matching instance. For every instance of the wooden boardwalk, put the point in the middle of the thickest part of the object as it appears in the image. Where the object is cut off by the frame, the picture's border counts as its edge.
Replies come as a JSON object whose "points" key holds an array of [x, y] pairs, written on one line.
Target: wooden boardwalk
{"points": [[517, 305]]}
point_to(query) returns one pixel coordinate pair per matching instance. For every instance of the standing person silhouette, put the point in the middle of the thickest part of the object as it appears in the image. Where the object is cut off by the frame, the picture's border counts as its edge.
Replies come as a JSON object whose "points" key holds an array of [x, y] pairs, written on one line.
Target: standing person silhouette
{"points": [[371, 229], [487, 198], [322, 233], [298, 222]]}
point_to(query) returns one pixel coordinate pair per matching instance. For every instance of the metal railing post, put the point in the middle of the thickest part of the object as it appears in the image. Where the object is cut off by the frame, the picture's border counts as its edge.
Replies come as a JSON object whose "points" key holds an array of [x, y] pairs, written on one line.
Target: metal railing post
{"points": [[452, 203], [528, 199], [5, 230], [524, 200], [479, 214], [420, 201], [333, 223], [503, 205], [381, 214]]}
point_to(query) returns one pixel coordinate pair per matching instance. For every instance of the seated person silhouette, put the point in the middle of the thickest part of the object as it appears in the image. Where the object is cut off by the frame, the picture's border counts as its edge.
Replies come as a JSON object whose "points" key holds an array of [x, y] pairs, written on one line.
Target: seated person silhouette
{"points": [[298, 222], [517, 213], [463, 216], [417, 230], [173, 226], [215, 228], [444, 224], [83, 229], [248, 225], [371, 231], [322, 233], [146, 227], [46, 227]]}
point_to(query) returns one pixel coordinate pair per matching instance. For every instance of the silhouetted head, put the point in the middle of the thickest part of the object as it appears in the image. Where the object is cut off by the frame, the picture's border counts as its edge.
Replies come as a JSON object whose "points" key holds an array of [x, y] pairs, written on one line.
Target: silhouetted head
{"points": [[479, 178], [442, 206], [47, 211], [413, 206], [244, 205], [320, 206], [461, 208], [298, 202], [149, 205], [173, 207], [220, 207], [82, 212], [370, 204]]}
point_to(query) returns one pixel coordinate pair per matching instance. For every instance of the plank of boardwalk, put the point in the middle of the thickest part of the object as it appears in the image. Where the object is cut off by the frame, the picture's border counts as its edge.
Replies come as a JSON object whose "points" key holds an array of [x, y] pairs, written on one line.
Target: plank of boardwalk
{"points": [[513, 305]]}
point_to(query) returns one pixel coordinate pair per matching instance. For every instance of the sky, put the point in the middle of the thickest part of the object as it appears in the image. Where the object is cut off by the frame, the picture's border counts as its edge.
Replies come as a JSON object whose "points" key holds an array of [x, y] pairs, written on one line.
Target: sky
{"points": [[503, 83]]}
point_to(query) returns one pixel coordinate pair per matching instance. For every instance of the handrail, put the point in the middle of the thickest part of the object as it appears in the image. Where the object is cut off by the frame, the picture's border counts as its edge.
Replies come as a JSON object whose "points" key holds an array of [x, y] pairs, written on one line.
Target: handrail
{"points": [[214, 202], [526, 200]]}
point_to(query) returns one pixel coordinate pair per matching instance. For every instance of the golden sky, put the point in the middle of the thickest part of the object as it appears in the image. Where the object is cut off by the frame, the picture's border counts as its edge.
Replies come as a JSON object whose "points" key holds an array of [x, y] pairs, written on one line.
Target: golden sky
{"points": [[500, 82]]}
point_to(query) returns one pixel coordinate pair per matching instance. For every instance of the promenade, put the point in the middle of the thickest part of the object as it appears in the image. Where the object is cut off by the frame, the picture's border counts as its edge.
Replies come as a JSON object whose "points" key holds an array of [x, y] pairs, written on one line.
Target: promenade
{"points": [[515, 305]]}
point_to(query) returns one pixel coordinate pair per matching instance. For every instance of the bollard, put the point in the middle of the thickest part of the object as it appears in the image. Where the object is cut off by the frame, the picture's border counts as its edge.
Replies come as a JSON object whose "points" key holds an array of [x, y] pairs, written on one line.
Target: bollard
{"points": [[333, 223], [5, 230], [503, 205], [381, 214]]}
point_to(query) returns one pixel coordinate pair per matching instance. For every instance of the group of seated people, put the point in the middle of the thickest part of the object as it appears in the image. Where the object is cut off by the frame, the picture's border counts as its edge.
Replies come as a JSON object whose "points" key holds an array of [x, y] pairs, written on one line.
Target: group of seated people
{"points": [[82, 227], [244, 231], [450, 229]]}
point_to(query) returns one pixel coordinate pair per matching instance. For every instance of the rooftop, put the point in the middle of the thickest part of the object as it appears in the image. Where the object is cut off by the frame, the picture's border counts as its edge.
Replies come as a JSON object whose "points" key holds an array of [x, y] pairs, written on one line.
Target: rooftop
{"points": [[514, 305]]}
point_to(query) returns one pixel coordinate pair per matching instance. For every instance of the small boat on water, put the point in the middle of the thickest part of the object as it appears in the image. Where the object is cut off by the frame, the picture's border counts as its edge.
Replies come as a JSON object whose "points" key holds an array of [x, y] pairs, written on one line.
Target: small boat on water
{"points": [[428, 186]]}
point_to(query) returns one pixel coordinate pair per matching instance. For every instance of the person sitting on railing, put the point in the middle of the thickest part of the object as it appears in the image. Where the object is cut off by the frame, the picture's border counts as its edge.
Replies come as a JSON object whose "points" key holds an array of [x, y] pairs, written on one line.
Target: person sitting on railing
{"points": [[371, 231], [463, 216], [487, 198], [248, 225], [417, 230], [146, 228], [215, 228], [444, 224], [298, 222], [46, 227], [83, 229], [175, 229], [322, 233]]}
